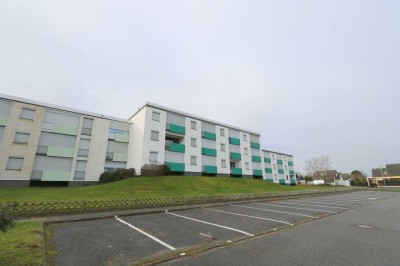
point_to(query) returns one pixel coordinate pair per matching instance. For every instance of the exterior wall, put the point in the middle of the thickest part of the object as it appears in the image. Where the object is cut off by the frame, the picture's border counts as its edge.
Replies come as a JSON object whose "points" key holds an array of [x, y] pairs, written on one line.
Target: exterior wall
{"points": [[222, 155], [193, 151]]}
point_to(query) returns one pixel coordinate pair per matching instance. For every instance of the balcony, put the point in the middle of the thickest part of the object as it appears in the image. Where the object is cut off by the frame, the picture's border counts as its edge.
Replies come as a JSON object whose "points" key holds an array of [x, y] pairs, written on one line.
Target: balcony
{"points": [[290, 163], [120, 157], [175, 147], [280, 171], [52, 175], [255, 145], [257, 172], [268, 170], [176, 167], [256, 158], [209, 152], [209, 169], [267, 160], [279, 161], [208, 135], [236, 171], [291, 172], [176, 129], [58, 151], [234, 141], [235, 156], [282, 181]]}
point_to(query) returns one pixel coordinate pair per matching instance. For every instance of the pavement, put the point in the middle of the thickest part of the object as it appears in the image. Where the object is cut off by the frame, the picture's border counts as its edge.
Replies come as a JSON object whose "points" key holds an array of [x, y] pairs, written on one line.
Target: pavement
{"points": [[356, 228]]}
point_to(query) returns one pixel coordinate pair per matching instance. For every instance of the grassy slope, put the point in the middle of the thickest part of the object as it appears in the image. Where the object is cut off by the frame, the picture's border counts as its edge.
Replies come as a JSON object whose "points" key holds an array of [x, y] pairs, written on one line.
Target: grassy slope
{"points": [[148, 187], [22, 245]]}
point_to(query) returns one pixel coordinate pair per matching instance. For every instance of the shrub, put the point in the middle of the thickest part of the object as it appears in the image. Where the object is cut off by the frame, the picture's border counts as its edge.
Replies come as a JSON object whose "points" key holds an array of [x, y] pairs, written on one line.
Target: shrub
{"points": [[308, 178], [155, 169], [6, 220], [116, 175]]}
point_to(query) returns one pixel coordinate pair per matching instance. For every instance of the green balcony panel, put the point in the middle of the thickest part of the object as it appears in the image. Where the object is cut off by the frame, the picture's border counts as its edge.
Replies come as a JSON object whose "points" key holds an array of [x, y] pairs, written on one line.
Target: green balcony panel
{"points": [[210, 169], [176, 167], [236, 171], [209, 135], [290, 163], [3, 120], [176, 147], [60, 152], [236, 156], [267, 160], [279, 161], [256, 158], [270, 180], [257, 172], [65, 129], [121, 137], [120, 157], [280, 171], [282, 181], [255, 145], [177, 129], [268, 170], [293, 182], [291, 172], [52, 175], [209, 152], [234, 141]]}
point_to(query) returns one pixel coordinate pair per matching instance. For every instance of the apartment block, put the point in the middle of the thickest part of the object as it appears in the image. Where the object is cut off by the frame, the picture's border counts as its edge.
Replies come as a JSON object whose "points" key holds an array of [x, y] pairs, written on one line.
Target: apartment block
{"points": [[46, 144]]}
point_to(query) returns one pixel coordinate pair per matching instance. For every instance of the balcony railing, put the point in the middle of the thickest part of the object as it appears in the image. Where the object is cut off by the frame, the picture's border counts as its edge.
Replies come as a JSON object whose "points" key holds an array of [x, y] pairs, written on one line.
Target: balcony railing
{"points": [[235, 156], [236, 171], [175, 147], [176, 129]]}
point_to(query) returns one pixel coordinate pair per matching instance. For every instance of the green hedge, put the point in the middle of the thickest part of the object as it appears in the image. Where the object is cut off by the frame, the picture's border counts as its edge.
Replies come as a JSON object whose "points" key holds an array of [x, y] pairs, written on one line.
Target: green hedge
{"points": [[116, 175]]}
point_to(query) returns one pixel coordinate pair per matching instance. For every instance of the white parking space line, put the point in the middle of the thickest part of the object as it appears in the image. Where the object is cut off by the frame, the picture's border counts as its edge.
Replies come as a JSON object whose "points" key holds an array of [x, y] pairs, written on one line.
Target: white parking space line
{"points": [[294, 207], [313, 205], [146, 234], [268, 210], [329, 203], [204, 222], [255, 217], [348, 201]]}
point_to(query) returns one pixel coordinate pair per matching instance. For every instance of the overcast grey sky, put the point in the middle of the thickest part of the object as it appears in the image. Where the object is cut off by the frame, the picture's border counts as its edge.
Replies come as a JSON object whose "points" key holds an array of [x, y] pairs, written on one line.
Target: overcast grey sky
{"points": [[313, 77]]}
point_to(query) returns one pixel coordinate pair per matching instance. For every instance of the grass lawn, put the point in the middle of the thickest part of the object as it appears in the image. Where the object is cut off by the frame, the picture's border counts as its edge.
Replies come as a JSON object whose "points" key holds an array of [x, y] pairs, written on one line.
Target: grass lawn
{"points": [[22, 245], [149, 187]]}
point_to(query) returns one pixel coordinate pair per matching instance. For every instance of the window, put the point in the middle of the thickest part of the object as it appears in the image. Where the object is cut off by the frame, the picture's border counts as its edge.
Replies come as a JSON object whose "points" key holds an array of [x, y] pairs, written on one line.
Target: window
{"points": [[274, 166], [246, 151], [284, 158], [83, 150], [153, 156], [273, 156], [21, 138], [275, 176], [244, 137], [193, 125], [87, 126], [285, 167], [223, 147], [287, 177], [223, 163], [193, 142], [247, 166], [222, 132], [14, 163], [156, 116], [27, 114], [193, 160], [155, 135], [80, 170]]}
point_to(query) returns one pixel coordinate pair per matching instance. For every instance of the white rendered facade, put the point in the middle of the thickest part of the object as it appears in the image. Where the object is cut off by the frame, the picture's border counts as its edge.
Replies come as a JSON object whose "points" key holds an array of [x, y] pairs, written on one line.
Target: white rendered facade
{"points": [[46, 143]]}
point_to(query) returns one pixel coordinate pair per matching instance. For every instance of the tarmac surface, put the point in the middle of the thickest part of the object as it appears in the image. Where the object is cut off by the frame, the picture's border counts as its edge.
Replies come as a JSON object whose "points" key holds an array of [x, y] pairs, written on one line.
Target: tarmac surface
{"points": [[355, 228]]}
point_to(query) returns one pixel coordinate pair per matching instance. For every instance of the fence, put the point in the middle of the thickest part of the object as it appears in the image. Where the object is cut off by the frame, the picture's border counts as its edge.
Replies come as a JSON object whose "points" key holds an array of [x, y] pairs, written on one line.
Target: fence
{"points": [[42, 208]]}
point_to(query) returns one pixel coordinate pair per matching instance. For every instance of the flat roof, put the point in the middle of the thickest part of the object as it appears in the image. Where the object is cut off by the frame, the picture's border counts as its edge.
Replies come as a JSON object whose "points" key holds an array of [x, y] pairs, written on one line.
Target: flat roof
{"points": [[192, 116], [279, 153], [57, 107]]}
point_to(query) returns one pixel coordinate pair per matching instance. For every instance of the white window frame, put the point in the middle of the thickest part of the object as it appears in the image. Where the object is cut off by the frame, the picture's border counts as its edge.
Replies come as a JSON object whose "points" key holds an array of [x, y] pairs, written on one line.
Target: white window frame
{"points": [[155, 118], [15, 158], [244, 137], [222, 132], [152, 159], [223, 163], [223, 147], [246, 151], [247, 165], [20, 134], [29, 111], [193, 160], [193, 141], [153, 134], [193, 124]]}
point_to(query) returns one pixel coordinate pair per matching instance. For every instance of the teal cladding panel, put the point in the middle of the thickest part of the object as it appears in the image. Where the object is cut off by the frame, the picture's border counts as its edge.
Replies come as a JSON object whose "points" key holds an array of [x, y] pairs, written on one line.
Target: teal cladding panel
{"points": [[209, 135], [268, 170], [281, 171], [257, 172], [236, 171], [282, 181], [290, 163], [293, 182], [256, 158], [234, 141], [267, 160], [269, 180], [177, 129], [210, 169], [60, 152], [176, 167], [255, 145], [236, 156], [291, 172], [51, 175], [279, 161], [176, 147], [209, 152]]}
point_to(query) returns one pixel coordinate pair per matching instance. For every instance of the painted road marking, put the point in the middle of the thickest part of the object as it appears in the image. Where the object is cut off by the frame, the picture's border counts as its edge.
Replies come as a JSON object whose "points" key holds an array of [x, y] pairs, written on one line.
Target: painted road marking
{"points": [[341, 204], [347, 201], [204, 222], [324, 206], [294, 207], [268, 210], [146, 234], [255, 217]]}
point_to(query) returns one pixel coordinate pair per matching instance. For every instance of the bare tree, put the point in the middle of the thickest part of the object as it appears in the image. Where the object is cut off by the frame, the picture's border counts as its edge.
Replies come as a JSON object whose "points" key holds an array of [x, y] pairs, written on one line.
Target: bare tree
{"points": [[320, 163]]}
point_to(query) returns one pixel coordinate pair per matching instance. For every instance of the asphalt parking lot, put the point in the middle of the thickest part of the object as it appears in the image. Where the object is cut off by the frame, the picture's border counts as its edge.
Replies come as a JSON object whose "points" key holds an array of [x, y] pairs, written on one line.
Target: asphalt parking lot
{"points": [[239, 234]]}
